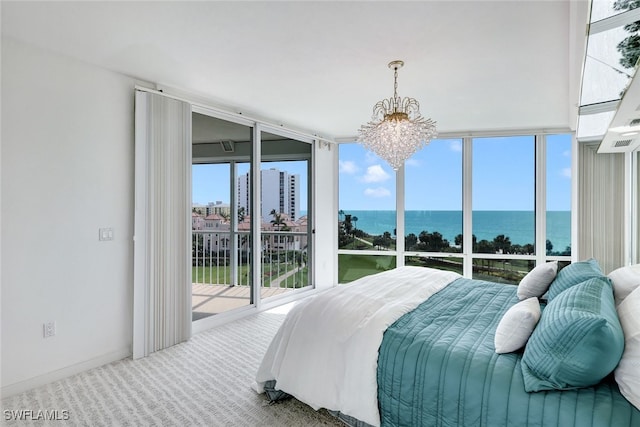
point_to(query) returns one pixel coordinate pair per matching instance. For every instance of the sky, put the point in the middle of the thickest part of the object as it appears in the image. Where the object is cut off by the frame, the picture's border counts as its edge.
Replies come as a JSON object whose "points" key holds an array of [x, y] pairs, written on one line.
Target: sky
{"points": [[503, 176], [210, 182]]}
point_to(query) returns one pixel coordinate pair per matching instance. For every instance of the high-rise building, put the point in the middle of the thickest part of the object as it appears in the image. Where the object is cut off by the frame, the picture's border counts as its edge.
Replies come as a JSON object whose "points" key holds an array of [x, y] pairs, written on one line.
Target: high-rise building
{"points": [[280, 192]]}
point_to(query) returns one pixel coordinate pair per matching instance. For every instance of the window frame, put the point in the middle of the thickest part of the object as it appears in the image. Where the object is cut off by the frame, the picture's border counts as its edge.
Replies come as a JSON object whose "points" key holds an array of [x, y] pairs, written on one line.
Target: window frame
{"points": [[540, 197]]}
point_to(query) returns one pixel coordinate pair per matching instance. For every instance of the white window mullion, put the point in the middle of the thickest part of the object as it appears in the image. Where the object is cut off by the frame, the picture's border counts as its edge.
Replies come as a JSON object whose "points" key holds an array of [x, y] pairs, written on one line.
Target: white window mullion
{"points": [[629, 200], [233, 217], [400, 199], [635, 230], [256, 213], [467, 207], [575, 190], [541, 198]]}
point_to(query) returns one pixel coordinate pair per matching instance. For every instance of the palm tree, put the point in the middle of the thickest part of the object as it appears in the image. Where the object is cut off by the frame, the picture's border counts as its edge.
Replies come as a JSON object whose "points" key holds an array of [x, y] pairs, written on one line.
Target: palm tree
{"points": [[277, 219], [502, 244], [347, 225], [410, 241], [340, 214]]}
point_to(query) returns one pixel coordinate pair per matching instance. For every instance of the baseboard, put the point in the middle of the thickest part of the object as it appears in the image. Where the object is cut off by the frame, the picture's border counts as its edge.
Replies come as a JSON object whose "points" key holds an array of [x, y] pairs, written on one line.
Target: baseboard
{"points": [[40, 380]]}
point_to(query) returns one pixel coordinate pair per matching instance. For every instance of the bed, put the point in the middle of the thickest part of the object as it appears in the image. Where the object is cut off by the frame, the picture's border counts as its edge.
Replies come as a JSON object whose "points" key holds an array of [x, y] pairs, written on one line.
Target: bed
{"points": [[415, 346]]}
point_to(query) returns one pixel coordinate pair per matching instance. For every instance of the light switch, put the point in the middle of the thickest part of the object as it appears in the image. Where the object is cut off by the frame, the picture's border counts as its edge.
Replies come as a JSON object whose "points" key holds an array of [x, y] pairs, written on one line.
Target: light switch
{"points": [[105, 234]]}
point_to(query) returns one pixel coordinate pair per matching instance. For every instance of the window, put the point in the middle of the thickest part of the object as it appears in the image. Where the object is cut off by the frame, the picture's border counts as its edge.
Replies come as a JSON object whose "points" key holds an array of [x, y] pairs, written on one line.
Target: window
{"points": [[367, 214], [503, 190], [558, 178], [609, 65], [367, 204], [601, 9], [433, 205], [501, 196], [285, 180]]}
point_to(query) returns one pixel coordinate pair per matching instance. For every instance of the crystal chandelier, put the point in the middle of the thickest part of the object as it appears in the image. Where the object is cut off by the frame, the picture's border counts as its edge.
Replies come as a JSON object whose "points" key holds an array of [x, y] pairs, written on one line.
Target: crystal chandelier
{"points": [[397, 129]]}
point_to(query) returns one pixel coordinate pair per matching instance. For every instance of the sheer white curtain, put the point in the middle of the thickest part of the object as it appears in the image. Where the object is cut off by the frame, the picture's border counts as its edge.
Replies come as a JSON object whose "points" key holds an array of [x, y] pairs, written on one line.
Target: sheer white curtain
{"points": [[601, 204], [162, 241]]}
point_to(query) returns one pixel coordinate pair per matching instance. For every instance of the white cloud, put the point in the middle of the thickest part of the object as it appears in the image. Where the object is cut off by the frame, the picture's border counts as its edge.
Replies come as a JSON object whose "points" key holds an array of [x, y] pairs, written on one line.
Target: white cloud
{"points": [[348, 167], [455, 146], [412, 162], [566, 172], [370, 157], [377, 192], [375, 173]]}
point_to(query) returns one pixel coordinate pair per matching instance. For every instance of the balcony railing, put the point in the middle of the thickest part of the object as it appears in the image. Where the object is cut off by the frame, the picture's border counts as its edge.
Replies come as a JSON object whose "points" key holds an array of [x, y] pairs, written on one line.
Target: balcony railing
{"points": [[223, 258]]}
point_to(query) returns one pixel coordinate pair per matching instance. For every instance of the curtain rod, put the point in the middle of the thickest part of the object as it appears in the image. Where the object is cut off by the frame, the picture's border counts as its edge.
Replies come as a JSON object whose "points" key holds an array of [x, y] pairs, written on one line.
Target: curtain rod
{"points": [[235, 116]]}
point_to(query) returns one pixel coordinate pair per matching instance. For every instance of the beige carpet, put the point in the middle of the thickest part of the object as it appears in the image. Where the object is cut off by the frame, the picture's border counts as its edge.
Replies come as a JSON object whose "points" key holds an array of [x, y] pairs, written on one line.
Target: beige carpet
{"points": [[203, 382]]}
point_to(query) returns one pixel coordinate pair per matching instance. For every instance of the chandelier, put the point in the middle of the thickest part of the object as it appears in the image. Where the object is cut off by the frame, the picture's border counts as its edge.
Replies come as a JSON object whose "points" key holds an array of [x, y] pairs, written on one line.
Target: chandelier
{"points": [[397, 130]]}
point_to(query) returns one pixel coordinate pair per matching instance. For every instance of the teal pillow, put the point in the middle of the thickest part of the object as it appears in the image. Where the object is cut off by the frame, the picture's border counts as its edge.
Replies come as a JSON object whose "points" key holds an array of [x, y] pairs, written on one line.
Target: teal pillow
{"points": [[578, 340], [573, 274]]}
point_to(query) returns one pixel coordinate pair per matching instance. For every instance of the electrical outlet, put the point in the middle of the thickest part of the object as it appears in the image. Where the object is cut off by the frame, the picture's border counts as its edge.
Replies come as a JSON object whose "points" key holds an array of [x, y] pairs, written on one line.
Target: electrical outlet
{"points": [[49, 329]]}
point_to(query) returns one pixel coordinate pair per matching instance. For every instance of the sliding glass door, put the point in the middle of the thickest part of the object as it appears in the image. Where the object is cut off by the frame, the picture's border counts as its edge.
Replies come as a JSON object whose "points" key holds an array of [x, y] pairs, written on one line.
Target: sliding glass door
{"points": [[285, 178], [242, 254], [221, 231]]}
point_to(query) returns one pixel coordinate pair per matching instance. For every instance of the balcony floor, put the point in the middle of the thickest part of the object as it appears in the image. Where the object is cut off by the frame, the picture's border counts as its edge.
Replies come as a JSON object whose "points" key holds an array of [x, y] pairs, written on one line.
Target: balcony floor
{"points": [[207, 300]]}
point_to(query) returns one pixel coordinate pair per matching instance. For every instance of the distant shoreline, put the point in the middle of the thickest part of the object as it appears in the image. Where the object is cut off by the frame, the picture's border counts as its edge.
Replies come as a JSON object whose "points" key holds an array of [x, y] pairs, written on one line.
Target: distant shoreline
{"points": [[519, 226]]}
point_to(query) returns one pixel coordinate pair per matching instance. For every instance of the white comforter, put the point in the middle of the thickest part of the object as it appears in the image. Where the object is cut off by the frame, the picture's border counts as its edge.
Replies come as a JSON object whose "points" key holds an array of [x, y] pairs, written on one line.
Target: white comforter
{"points": [[326, 351]]}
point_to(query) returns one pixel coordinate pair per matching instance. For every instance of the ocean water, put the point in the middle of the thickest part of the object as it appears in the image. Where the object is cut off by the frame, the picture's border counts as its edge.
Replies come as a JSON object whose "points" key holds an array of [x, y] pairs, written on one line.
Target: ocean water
{"points": [[519, 226]]}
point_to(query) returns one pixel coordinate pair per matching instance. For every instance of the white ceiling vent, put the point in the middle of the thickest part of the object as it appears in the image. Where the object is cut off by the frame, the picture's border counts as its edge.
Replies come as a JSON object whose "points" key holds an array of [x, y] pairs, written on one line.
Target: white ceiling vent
{"points": [[623, 134], [622, 143]]}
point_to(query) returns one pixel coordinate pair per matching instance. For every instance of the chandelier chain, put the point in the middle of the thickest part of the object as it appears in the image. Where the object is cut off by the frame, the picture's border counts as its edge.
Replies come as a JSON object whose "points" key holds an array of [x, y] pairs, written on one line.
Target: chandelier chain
{"points": [[395, 88]]}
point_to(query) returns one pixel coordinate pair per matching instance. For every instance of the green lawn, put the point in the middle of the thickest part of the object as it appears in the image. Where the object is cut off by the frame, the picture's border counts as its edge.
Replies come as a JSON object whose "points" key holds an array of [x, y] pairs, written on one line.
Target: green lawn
{"points": [[366, 243], [272, 272], [448, 264], [352, 267]]}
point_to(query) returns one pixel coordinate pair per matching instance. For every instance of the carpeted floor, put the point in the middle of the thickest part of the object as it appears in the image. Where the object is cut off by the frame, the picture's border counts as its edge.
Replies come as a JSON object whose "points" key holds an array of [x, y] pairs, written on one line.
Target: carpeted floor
{"points": [[203, 382]]}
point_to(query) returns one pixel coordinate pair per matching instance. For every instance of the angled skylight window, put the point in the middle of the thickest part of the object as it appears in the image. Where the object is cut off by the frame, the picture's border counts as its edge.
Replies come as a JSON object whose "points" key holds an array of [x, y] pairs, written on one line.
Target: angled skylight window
{"points": [[591, 126], [606, 73], [601, 9], [613, 47]]}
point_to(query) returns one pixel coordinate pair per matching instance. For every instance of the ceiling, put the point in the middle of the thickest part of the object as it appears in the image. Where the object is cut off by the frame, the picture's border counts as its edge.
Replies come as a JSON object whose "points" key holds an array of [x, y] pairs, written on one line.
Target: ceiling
{"points": [[321, 66]]}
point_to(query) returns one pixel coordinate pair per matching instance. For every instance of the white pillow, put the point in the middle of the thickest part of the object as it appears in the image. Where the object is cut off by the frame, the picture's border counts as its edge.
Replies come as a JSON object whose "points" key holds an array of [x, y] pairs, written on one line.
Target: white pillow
{"points": [[627, 373], [537, 281], [517, 325], [625, 280]]}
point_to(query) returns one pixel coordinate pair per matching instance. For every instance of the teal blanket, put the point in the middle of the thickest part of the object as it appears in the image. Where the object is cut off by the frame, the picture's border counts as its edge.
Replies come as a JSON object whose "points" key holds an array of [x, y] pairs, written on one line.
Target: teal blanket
{"points": [[437, 367]]}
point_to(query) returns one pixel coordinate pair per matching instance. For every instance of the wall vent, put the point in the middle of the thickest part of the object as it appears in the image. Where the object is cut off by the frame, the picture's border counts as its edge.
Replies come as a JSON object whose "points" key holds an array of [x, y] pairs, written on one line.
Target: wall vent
{"points": [[622, 143], [227, 146]]}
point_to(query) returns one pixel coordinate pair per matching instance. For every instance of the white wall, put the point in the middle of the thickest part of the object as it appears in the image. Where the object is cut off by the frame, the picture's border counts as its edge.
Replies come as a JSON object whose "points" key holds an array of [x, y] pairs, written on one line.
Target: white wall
{"points": [[67, 170]]}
